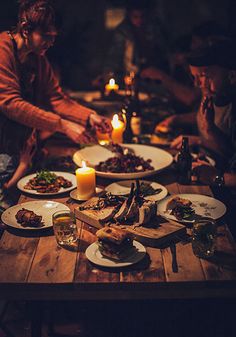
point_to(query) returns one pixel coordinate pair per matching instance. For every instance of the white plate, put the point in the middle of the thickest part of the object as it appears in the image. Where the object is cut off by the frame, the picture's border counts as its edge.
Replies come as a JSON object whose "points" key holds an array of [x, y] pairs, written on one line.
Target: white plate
{"points": [[74, 194], [93, 155], [69, 176], [93, 254], [123, 188], [45, 208], [194, 155], [203, 205]]}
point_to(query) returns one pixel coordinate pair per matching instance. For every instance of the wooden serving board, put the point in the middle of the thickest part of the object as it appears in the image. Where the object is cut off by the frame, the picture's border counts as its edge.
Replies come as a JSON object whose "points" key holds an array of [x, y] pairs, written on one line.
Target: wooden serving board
{"points": [[153, 235]]}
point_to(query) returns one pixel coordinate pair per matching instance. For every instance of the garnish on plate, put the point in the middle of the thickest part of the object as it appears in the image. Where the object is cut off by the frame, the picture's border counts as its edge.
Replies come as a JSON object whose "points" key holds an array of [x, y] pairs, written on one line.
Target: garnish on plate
{"points": [[180, 208], [47, 182]]}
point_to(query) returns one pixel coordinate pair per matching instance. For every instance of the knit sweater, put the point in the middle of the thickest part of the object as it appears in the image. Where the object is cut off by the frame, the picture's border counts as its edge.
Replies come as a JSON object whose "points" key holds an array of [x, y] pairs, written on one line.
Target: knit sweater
{"points": [[50, 104]]}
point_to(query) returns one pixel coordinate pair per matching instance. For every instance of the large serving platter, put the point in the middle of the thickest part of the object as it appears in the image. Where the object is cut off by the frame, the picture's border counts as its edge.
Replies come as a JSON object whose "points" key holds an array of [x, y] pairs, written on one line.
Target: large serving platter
{"points": [[93, 155]]}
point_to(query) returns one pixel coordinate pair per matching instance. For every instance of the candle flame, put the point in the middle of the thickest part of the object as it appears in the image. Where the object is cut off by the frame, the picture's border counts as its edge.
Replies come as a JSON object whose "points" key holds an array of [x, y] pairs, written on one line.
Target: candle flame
{"points": [[84, 164], [112, 81], [115, 121]]}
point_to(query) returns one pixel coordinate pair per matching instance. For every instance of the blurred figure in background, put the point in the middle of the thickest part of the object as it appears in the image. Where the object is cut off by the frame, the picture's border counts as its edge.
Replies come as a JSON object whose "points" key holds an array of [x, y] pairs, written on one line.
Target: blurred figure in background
{"points": [[178, 81], [139, 41]]}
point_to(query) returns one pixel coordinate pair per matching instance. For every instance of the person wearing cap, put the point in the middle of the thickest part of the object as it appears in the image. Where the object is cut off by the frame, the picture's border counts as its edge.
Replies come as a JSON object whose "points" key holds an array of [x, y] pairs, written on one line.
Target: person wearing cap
{"points": [[213, 71]]}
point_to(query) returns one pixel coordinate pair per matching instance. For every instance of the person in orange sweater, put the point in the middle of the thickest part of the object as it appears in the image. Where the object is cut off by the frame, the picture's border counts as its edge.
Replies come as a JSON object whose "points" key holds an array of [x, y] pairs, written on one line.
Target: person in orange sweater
{"points": [[30, 95]]}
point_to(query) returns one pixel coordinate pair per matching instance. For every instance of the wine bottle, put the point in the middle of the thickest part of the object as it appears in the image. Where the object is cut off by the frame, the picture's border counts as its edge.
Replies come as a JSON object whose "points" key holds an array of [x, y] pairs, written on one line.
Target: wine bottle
{"points": [[184, 163]]}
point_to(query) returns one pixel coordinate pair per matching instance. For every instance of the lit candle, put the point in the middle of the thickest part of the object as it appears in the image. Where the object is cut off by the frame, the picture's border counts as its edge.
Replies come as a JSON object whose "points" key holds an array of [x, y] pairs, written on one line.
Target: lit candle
{"points": [[111, 86], [118, 129], [86, 181]]}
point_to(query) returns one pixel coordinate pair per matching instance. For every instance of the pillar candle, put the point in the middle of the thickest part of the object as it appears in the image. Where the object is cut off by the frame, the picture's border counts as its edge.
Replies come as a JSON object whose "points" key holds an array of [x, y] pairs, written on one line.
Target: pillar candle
{"points": [[86, 181]]}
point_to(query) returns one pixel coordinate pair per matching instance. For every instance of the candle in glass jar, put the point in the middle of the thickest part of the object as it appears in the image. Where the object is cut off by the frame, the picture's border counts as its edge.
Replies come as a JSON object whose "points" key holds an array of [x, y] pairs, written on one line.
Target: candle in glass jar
{"points": [[118, 130], [86, 181], [111, 86]]}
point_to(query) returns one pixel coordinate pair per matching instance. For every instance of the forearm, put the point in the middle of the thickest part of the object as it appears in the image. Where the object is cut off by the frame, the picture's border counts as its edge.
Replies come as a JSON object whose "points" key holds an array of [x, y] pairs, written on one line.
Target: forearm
{"points": [[230, 179], [185, 94], [20, 172], [70, 109], [186, 119], [217, 141]]}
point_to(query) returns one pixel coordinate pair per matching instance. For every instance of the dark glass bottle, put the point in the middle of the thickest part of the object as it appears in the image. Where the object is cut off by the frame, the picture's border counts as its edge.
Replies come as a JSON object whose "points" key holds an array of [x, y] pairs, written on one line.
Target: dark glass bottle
{"points": [[184, 163], [132, 111]]}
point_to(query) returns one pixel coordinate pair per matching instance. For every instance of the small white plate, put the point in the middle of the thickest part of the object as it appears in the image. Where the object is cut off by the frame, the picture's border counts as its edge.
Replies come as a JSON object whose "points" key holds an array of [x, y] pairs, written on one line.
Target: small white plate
{"points": [[93, 155], [94, 255], [74, 194], [123, 188], [195, 156], [69, 176], [202, 204], [45, 208]]}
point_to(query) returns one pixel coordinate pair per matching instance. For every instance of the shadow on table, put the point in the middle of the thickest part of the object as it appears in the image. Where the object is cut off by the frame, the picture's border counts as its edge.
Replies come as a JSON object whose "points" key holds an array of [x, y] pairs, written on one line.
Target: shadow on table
{"points": [[223, 259]]}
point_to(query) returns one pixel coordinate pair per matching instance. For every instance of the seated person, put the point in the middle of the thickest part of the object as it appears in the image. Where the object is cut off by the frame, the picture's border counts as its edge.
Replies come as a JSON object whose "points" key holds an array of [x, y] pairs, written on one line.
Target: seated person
{"points": [[203, 35], [213, 70], [30, 95], [178, 82], [137, 42]]}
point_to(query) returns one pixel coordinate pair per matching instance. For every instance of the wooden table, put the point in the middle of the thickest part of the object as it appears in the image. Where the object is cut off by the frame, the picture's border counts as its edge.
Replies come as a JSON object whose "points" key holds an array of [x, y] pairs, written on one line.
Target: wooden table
{"points": [[36, 269]]}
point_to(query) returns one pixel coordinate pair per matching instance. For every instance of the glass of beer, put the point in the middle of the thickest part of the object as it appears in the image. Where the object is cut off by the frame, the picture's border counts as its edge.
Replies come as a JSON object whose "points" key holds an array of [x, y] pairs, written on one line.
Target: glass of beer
{"points": [[64, 226], [203, 238]]}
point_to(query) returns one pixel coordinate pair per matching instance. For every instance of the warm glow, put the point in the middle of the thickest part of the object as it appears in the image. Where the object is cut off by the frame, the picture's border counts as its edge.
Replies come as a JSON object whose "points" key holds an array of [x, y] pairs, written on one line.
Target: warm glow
{"points": [[118, 129], [84, 164], [112, 81], [115, 122]]}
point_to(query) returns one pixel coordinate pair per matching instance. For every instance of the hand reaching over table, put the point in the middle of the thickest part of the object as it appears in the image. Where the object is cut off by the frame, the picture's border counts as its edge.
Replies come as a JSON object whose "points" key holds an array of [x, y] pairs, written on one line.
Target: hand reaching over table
{"points": [[100, 123], [205, 172], [192, 140], [77, 133]]}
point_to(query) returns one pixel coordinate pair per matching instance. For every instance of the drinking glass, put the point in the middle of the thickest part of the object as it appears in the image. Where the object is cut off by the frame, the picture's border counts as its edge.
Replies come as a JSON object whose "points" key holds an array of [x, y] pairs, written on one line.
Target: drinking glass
{"points": [[64, 226], [203, 238]]}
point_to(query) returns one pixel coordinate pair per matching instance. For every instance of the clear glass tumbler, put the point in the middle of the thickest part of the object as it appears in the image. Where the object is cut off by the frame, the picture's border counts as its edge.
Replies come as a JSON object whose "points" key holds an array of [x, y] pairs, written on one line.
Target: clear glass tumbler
{"points": [[203, 238], [64, 226]]}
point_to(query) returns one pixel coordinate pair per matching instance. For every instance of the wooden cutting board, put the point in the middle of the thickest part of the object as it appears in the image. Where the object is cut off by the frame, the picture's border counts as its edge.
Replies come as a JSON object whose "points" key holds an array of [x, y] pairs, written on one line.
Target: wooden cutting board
{"points": [[154, 234]]}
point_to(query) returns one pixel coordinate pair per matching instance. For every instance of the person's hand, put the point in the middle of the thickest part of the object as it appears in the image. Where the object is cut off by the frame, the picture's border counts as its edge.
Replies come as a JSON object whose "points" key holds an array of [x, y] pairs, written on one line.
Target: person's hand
{"points": [[77, 133], [100, 123], [206, 116], [166, 124], [204, 172], [152, 73], [177, 142]]}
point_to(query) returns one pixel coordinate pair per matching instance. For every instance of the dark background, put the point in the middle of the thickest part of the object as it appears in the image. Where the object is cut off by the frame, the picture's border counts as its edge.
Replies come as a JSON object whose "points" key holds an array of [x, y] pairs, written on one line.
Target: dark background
{"points": [[83, 40]]}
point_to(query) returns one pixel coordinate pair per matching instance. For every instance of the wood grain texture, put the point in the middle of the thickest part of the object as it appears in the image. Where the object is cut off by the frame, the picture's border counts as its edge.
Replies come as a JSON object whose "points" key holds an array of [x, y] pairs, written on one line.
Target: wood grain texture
{"points": [[16, 256]]}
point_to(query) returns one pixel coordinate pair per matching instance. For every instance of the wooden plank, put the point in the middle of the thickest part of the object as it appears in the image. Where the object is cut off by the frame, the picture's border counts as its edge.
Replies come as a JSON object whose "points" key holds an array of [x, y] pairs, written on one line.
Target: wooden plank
{"points": [[52, 263], [189, 266], [86, 272], [150, 269], [152, 234], [16, 256], [195, 189]]}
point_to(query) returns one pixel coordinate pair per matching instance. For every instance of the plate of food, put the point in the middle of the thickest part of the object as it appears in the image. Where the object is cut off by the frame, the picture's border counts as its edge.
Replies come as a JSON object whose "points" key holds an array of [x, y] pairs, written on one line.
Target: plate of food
{"points": [[126, 161], [191, 208], [115, 249], [200, 156], [33, 215], [148, 189], [47, 183]]}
